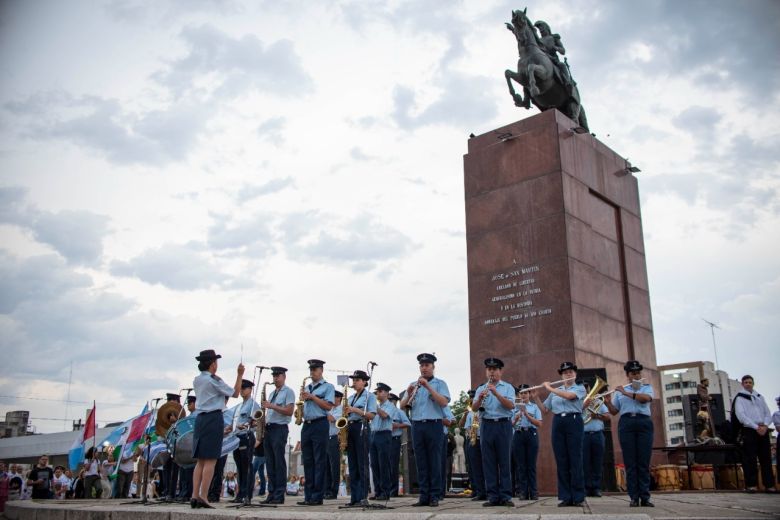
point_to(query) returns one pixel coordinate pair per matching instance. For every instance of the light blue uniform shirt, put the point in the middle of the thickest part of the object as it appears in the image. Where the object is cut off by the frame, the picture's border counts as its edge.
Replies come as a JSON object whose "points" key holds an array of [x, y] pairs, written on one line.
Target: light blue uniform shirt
{"points": [[493, 409], [323, 390], [383, 425], [469, 421], [280, 397], [595, 425], [523, 422], [628, 405], [400, 417], [359, 401], [246, 410], [557, 404], [423, 406], [449, 416], [210, 391], [334, 412]]}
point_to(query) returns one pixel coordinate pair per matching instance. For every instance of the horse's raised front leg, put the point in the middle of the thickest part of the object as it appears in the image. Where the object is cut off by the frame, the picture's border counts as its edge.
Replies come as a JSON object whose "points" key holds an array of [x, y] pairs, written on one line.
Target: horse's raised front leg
{"points": [[518, 99]]}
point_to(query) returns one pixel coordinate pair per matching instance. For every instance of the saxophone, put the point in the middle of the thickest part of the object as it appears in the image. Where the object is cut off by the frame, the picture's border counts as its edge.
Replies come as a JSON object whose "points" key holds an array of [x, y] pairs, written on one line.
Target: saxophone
{"points": [[342, 422], [259, 416], [299, 403]]}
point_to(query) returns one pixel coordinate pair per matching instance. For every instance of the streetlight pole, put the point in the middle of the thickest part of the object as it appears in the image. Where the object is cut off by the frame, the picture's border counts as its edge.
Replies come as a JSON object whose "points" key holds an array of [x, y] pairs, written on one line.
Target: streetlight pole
{"points": [[713, 326]]}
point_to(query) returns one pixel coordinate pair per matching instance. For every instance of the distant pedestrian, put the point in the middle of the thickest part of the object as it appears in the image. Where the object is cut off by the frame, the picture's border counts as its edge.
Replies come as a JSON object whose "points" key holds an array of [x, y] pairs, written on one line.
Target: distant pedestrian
{"points": [[753, 413], [40, 478]]}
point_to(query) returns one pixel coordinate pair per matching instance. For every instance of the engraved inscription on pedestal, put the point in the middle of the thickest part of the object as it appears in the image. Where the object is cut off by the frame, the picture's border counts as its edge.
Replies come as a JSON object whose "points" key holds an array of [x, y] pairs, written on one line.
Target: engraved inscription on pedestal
{"points": [[514, 295]]}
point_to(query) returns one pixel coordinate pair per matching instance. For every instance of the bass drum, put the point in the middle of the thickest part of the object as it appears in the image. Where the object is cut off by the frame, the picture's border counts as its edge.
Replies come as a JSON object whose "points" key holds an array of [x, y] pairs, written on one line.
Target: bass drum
{"points": [[180, 439]]}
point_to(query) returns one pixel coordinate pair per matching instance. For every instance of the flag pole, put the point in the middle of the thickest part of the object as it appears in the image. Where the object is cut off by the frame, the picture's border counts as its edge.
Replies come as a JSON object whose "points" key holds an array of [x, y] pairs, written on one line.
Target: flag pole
{"points": [[94, 421]]}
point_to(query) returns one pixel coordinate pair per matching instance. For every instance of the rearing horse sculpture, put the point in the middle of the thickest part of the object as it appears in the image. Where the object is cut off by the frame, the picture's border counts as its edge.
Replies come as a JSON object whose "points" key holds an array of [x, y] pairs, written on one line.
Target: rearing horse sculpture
{"points": [[536, 72]]}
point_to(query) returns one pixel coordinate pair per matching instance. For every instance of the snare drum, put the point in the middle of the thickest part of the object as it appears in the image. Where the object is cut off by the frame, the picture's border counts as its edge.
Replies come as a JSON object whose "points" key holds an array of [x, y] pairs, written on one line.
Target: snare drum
{"points": [[702, 476], [179, 440]]}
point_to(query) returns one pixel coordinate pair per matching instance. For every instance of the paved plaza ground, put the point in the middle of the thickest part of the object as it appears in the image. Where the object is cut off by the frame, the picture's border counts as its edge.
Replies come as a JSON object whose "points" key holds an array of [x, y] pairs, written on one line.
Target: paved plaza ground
{"points": [[693, 505]]}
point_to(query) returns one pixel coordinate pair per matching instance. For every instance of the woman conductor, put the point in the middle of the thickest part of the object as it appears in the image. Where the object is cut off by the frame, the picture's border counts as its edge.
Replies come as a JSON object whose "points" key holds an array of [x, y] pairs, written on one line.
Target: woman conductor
{"points": [[212, 393]]}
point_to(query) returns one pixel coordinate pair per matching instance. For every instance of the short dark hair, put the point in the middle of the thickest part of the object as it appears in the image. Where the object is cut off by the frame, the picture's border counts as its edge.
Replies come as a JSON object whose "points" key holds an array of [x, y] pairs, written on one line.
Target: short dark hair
{"points": [[203, 366], [747, 376]]}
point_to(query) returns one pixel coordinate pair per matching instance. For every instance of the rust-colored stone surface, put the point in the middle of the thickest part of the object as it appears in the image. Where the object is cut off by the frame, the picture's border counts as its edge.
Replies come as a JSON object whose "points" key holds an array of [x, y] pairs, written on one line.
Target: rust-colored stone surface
{"points": [[556, 265]]}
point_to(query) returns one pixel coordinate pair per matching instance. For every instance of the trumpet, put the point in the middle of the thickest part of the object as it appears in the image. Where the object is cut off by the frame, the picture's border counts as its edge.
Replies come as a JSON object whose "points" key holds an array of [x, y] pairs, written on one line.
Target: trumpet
{"points": [[484, 394], [412, 395], [299, 403]]}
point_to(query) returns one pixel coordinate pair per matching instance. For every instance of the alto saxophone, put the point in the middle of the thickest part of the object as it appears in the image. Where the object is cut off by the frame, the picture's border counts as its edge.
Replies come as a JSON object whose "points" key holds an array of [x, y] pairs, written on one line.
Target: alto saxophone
{"points": [[299, 403], [259, 416], [342, 422]]}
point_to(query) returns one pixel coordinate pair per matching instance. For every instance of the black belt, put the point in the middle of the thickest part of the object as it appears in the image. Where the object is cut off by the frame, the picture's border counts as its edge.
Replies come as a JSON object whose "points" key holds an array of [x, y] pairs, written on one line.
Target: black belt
{"points": [[529, 429], [636, 414], [274, 425], [428, 420], [597, 431], [500, 419], [568, 414], [353, 421], [210, 411], [309, 421]]}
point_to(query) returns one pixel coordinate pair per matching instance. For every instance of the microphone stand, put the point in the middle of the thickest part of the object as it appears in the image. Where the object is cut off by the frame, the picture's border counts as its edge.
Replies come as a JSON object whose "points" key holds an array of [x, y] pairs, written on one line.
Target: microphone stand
{"points": [[363, 430]]}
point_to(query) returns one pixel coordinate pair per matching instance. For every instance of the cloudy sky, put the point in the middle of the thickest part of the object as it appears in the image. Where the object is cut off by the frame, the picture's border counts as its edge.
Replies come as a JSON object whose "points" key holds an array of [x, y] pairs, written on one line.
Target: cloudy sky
{"points": [[288, 176]]}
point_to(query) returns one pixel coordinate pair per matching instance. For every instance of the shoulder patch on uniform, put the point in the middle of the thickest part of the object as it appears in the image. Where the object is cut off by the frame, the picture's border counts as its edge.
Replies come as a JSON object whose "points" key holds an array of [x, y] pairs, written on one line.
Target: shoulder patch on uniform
{"points": [[215, 377]]}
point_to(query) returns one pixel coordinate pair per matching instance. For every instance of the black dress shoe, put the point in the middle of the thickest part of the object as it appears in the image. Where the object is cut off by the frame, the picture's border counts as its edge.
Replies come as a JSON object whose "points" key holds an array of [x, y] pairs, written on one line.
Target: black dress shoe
{"points": [[596, 494], [634, 503], [204, 504], [533, 497], [303, 503], [382, 498], [646, 503], [577, 504], [314, 503], [564, 503], [194, 504], [236, 500], [477, 497], [491, 504], [508, 503], [420, 503], [433, 503]]}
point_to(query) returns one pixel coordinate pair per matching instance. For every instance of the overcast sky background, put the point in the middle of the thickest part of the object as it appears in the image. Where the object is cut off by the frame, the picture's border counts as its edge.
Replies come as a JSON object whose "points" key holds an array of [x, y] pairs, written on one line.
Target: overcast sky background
{"points": [[288, 176]]}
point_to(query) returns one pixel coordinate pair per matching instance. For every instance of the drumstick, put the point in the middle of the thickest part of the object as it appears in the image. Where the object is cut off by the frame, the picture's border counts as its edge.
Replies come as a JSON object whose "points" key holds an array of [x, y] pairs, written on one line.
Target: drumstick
{"points": [[242, 354]]}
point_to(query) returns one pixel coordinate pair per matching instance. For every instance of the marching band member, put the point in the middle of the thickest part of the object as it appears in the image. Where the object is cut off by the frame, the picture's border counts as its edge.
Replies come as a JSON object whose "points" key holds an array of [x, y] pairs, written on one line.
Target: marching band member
{"points": [[446, 462], [428, 395], [474, 454], [318, 398], [525, 443], [593, 449], [207, 436], [332, 475], [185, 474], [361, 409], [279, 409], [246, 441], [381, 433], [400, 423], [635, 431], [496, 401], [565, 402]]}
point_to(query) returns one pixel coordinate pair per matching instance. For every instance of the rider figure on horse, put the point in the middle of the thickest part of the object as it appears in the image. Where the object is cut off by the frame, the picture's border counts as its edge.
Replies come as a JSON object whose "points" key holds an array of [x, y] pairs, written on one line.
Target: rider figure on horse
{"points": [[551, 44]]}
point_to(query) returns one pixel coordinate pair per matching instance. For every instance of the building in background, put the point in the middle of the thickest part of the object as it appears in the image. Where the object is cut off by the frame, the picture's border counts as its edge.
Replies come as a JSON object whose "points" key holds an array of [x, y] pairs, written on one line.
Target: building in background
{"points": [[16, 424], [679, 386]]}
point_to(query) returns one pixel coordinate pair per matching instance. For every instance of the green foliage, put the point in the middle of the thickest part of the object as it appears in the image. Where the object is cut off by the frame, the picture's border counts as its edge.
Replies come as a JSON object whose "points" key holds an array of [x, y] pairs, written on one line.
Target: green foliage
{"points": [[459, 407]]}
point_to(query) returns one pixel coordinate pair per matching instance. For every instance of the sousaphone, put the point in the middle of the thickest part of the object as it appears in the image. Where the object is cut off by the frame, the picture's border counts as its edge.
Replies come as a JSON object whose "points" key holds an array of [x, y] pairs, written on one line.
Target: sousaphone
{"points": [[167, 414]]}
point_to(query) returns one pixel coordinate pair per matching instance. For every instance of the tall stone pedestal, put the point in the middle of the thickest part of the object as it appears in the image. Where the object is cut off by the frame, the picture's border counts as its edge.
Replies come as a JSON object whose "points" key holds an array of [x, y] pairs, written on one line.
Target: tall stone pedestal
{"points": [[556, 261]]}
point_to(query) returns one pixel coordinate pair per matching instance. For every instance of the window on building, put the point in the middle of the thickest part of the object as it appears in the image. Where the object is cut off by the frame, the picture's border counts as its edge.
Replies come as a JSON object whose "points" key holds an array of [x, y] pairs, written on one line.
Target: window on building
{"points": [[676, 440], [676, 426], [674, 399], [690, 384], [675, 413], [672, 386]]}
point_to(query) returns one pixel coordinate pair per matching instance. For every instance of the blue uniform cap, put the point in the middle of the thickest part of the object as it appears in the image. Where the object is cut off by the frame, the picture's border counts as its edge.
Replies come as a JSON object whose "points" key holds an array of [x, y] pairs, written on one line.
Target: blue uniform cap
{"points": [[173, 397], [492, 362], [278, 370], [633, 366], [315, 363], [567, 365], [472, 393], [246, 383], [338, 394], [191, 398], [426, 358], [521, 387], [382, 386]]}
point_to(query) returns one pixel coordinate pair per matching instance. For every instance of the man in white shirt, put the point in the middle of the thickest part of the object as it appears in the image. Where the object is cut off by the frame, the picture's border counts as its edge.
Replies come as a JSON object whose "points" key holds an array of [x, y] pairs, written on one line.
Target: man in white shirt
{"points": [[753, 413]]}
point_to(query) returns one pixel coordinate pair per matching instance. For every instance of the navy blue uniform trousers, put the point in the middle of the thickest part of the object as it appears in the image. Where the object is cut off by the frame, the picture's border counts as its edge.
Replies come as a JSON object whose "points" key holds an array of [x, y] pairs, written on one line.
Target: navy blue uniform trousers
{"points": [[357, 455], [427, 438], [525, 447], [496, 443], [274, 444], [567, 446], [636, 440], [243, 459], [380, 463], [593, 459], [314, 448], [333, 475], [476, 475], [395, 461]]}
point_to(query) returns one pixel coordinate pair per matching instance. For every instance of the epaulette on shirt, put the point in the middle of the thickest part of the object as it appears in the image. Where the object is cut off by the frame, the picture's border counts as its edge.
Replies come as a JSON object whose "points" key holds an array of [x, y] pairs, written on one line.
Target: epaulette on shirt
{"points": [[215, 377]]}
